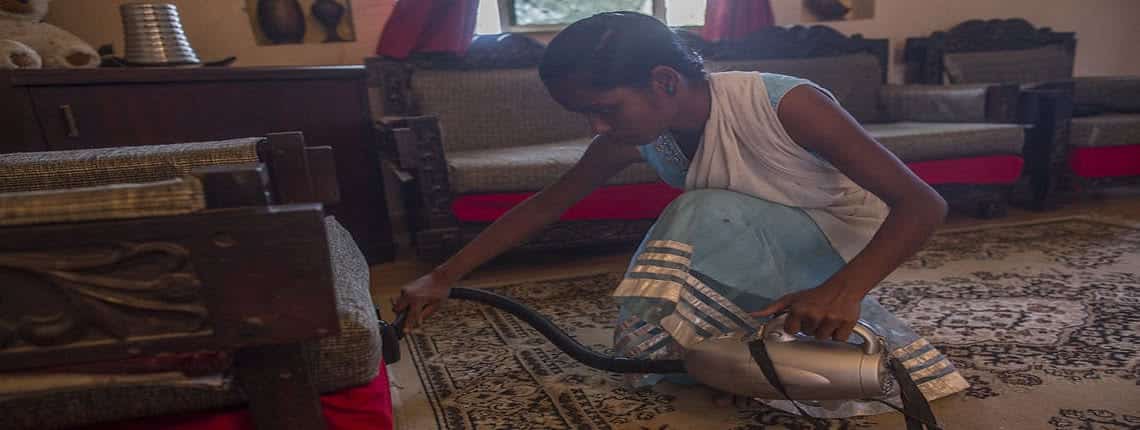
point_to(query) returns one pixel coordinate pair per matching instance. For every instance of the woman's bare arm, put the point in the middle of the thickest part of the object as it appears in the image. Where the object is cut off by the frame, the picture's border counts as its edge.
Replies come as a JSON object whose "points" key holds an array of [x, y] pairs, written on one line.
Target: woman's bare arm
{"points": [[601, 161], [819, 124]]}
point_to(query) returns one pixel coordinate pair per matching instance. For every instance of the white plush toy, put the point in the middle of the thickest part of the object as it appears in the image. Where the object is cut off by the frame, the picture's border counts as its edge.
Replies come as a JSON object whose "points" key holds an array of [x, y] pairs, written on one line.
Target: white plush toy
{"points": [[28, 43]]}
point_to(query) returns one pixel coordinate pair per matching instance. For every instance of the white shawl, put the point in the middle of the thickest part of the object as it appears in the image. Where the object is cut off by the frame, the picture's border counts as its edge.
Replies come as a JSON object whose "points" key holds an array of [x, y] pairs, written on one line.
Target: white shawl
{"points": [[745, 149]]}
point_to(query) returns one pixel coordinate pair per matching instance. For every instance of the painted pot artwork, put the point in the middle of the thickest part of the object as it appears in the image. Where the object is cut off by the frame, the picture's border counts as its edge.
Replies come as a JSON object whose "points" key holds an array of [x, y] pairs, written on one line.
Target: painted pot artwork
{"points": [[279, 22]]}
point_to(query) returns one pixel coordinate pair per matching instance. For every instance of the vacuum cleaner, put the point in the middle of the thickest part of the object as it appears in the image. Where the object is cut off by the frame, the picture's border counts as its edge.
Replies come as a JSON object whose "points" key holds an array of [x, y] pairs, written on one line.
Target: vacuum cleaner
{"points": [[768, 364]]}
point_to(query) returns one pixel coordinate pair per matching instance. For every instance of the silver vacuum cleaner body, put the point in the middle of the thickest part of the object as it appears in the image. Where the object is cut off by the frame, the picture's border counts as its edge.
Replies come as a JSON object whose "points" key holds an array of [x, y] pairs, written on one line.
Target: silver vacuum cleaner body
{"points": [[810, 369]]}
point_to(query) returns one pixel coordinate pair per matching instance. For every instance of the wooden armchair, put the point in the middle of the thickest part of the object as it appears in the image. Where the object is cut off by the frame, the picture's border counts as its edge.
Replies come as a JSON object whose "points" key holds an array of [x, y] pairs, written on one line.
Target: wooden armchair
{"points": [[970, 142], [463, 138], [137, 280], [1094, 120]]}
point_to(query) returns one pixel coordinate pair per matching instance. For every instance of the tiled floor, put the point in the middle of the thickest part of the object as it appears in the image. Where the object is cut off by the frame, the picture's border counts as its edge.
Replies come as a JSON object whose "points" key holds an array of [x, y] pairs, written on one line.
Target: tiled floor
{"points": [[388, 278]]}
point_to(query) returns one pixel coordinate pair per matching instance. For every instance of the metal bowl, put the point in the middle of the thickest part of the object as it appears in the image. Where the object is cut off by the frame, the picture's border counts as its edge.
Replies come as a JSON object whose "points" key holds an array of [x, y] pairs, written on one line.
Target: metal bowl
{"points": [[161, 52], [154, 40], [155, 32], [159, 60], [152, 14], [131, 7], [161, 56], [153, 35], [129, 18], [152, 26], [157, 41], [159, 48]]}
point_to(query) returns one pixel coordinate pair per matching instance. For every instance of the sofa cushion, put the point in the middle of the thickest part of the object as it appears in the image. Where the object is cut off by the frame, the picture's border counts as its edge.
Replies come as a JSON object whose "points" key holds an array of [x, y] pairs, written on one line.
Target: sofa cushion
{"points": [[985, 169], [922, 141], [854, 79], [1107, 93], [30, 171], [1105, 161], [484, 109], [1110, 129], [936, 103], [347, 360], [527, 168], [531, 168], [176, 196], [1049, 63], [368, 407], [350, 358], [614, 202]]}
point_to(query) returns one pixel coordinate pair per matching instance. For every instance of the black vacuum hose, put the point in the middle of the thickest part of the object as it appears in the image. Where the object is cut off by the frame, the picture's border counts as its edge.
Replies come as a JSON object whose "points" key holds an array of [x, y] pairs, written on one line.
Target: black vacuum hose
{"points": [[563, 341], [559, 338]]}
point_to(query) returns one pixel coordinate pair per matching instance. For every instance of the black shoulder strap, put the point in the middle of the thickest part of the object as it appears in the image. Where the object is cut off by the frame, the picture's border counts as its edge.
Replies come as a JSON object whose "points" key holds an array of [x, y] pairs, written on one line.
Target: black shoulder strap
{"points": [[759, 351], [915, 407]]}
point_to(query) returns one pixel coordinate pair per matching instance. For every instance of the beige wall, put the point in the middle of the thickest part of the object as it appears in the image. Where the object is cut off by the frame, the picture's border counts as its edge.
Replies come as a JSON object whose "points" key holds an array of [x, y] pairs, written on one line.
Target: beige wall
{"points": [[221, 28], [1108, 31]]}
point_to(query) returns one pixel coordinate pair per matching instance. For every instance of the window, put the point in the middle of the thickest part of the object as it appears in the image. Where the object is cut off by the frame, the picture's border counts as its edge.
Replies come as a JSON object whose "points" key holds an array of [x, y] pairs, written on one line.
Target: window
{"points": [[685, 13], [551, 15]]}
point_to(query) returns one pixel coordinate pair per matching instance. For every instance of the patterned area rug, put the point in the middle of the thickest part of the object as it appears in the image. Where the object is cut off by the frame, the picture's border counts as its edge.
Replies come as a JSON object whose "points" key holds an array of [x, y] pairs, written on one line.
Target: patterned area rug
{"points": [[1043, 319]]}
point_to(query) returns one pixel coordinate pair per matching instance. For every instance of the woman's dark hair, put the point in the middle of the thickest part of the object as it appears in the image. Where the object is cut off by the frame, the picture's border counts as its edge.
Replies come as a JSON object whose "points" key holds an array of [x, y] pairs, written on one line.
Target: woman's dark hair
{"points": [[616, 49]]}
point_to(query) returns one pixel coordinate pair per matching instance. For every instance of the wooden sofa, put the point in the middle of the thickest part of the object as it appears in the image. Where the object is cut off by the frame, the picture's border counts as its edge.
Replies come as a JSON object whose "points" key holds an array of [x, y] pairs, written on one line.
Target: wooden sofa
{"points": [[466, 137], [967, 141], [138, 280], [1097, 122]]}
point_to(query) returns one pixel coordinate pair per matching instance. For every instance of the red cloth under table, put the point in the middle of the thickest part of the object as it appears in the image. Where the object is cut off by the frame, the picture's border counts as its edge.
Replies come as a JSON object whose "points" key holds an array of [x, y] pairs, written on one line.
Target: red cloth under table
{"points": [[367, 407], [646, 201], [1105, 161]]}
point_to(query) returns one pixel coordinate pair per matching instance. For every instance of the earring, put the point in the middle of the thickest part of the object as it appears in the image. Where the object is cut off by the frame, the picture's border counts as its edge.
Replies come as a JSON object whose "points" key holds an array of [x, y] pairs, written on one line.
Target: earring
{"points": [[670, 90]]}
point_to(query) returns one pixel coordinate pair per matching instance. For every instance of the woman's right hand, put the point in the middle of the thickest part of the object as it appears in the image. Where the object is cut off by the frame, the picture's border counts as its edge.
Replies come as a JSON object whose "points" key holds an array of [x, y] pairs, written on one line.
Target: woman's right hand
{"points": [[421, 298]]}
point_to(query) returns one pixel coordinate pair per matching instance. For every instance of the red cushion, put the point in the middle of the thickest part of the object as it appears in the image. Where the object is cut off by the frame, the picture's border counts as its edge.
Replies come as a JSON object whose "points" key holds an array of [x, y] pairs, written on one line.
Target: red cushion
{"points": [[1105, 161], [368, 407], [646, 201], [995, 169], [616, 202]]}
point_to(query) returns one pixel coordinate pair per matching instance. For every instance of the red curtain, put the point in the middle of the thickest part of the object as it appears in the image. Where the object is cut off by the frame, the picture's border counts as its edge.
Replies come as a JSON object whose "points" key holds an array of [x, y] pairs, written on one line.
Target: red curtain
{"points": [[428, 26], [734, 19]]}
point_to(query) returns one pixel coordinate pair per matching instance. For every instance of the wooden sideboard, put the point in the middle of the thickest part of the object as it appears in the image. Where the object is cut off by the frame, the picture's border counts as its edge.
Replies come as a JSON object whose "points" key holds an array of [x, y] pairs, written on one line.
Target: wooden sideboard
{"points": [[49, 110]]}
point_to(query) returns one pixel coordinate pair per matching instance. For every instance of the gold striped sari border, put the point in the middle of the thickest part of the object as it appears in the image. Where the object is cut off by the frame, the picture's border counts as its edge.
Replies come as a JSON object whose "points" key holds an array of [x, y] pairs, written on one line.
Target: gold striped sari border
{"points": [[911, 348], [651, 288], [646, 257], [931, 370], [687, 297], [926, 357], [944, 386], [670, 244], [648, 344], [682, 331], [722, 301], [685, 310]]}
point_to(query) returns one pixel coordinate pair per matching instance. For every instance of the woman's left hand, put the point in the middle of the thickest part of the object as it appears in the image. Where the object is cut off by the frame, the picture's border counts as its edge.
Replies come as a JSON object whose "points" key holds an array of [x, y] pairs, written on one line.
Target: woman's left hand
{"points": [[825, 312]]}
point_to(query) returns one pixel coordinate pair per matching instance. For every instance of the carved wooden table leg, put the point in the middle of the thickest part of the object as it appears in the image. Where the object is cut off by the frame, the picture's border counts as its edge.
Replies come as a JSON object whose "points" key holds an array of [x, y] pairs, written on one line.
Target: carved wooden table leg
{"points": [[282, 394]]}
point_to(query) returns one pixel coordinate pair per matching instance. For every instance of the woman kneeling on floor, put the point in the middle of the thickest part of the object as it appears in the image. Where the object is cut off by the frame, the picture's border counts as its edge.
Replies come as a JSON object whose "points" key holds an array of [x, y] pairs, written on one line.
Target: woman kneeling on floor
{"points": [[790, 206]]}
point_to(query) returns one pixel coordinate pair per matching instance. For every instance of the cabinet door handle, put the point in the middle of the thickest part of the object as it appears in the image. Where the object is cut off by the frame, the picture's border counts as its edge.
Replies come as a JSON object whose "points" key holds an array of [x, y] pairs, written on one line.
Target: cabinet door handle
{"points": [[69, 119]]}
